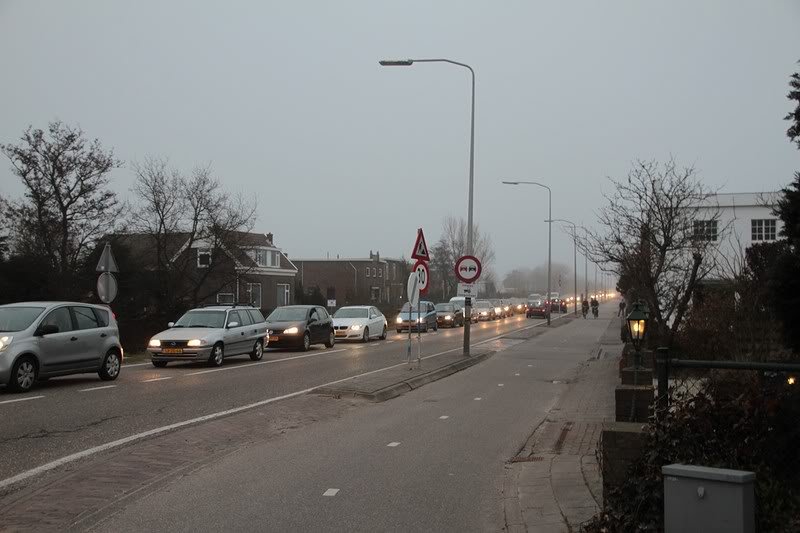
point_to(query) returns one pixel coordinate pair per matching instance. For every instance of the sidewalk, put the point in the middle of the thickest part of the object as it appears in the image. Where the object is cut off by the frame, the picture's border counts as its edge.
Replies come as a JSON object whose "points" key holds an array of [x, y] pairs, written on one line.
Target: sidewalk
{"points": [[554, 484]]}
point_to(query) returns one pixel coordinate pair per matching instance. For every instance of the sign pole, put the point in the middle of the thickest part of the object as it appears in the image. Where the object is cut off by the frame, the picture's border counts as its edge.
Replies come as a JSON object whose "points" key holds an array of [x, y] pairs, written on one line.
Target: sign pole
{"points": [[419, 334]]}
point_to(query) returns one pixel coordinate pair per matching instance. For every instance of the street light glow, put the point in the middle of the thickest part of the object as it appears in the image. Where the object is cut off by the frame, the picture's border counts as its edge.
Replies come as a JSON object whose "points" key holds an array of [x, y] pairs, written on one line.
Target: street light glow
{"points": [[396, 62]]}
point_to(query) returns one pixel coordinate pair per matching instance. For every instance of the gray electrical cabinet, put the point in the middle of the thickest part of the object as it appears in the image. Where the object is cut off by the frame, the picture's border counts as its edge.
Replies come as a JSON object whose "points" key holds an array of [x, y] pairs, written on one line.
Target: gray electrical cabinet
{"points": [[708, 500]]}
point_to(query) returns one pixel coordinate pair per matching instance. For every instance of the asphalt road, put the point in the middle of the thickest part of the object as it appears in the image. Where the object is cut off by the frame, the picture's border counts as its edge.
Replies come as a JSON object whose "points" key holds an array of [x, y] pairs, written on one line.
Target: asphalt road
{"points": [[431, 460], [71, 414]]}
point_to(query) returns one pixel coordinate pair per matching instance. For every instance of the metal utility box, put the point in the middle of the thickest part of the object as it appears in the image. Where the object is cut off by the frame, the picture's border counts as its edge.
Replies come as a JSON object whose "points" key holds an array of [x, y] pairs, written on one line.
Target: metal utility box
{"points": [[708, 500]]}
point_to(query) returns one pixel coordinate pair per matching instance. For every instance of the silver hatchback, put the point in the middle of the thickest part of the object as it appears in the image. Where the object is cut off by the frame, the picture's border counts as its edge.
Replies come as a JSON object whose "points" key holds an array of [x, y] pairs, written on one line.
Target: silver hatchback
{"points": [[39, 340]]}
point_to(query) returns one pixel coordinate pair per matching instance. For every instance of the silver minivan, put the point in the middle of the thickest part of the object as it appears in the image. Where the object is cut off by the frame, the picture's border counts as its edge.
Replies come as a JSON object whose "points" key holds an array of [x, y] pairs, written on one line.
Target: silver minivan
{"points": [[211, 334], [39, 340]]}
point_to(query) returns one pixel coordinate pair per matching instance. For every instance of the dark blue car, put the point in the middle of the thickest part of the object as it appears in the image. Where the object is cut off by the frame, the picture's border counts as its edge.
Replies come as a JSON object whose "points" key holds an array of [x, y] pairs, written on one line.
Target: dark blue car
{"points": [[410, 318]]}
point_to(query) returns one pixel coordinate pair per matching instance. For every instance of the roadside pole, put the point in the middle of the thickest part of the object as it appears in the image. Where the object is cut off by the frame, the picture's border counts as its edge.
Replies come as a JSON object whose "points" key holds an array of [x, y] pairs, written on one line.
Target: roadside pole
{"points": [[422, 274], [412, 289]]}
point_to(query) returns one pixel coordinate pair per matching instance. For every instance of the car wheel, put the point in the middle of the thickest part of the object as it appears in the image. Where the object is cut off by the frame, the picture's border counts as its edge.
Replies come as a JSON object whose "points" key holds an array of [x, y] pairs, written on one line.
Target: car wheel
{"points": [[217, 355], [111, 366], [306, 342], [435, 326], [383, 334], [258, 351], [159, 364], [331, 340], [23, 374], [365, 336]]}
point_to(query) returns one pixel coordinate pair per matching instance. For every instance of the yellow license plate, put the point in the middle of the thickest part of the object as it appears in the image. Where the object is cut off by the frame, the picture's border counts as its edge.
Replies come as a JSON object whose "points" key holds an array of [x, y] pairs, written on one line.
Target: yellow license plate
{"points": [[274, 338], [172, 350]]}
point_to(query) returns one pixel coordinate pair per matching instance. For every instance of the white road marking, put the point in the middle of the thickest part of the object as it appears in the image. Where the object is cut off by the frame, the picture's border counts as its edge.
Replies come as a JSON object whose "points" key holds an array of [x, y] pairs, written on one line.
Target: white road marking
{"points": [[478, 399], [393, 444], [530, 366], [331, 492], [135, 364], [517, 374], [163, 429], [499, 384], [269, 362], [21, 399], [443, 417], [156, 379], [98, 388]]}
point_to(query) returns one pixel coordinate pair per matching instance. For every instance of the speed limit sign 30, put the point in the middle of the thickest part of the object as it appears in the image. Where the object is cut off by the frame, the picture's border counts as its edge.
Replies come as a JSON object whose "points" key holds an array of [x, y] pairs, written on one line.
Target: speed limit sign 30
{"points": [[421, 268]]}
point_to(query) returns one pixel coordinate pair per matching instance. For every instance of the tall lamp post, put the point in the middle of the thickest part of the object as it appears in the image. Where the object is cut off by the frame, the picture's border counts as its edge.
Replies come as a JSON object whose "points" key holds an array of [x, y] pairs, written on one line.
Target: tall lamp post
{"points": [[574, 259], [549, 235], [470, 250]]}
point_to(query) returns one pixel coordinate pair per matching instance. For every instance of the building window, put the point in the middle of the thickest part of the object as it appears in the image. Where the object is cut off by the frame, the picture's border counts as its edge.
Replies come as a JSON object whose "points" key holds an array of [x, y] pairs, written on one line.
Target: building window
{"points": [[203, 258], [225, 298], [367, 271], [705, 230], [374, 272], [253, 291], [375, 294], [265, 258], [284, 297], [763, 230], [380, 272]]}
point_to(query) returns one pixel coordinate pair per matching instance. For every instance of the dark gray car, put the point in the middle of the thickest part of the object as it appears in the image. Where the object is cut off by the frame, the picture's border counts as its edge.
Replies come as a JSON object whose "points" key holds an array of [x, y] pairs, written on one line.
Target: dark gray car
{"points": [[39, 340]]}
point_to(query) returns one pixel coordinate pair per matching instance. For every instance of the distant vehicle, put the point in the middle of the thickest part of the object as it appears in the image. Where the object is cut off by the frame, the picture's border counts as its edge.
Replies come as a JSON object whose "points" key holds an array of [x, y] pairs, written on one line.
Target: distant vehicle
{"points": [[422, 317], [211, 334], [449, 315], [40, 340], [460, 302], [484, 310], [361, 322], [536, 308], [519, 305], [300, 326], [498, 308], [508, 307]]}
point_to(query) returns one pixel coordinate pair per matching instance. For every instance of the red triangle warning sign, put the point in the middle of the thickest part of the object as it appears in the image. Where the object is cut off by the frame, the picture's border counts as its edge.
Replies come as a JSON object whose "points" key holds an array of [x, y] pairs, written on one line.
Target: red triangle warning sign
{"points": [[420, 248]]}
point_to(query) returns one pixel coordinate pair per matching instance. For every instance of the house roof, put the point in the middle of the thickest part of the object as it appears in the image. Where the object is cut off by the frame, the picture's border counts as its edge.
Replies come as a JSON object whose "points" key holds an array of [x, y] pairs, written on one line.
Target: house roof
{"points": [[743, 199]]}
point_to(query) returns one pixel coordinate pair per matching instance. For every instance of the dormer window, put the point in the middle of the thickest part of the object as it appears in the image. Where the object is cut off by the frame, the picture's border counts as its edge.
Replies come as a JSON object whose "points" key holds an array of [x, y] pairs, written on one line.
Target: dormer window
{"points": [[264, 258], [203, 258]]}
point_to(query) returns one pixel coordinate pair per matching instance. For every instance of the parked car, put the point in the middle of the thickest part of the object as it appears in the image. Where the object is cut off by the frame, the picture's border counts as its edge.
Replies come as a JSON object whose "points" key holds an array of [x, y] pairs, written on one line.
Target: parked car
{"points": [[449, 316], [359, 322], [40, 340], [422, 317], [484, 310], [536, 308], [211, 334], [300, 326]]}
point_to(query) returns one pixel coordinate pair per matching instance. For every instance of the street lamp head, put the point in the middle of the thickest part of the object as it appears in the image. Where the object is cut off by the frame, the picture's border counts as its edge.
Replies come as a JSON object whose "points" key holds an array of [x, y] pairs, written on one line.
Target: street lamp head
{"points": [[510, 183], [396, 62], [637, 324]]}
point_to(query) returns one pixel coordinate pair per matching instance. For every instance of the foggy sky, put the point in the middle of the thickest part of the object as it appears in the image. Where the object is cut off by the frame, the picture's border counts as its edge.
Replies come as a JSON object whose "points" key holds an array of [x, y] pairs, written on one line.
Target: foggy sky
{"points": [[287, 101]]}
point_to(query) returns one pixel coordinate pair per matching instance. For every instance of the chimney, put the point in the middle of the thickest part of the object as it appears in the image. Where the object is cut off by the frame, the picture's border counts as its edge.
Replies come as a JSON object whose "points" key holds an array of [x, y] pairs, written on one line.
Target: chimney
{"points": [[378, 257], [370, 254], [269, 238]]}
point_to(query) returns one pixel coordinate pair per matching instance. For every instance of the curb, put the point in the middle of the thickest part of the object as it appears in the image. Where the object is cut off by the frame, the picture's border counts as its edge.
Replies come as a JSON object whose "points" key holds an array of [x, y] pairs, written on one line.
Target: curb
{"points": [[396, 389]]}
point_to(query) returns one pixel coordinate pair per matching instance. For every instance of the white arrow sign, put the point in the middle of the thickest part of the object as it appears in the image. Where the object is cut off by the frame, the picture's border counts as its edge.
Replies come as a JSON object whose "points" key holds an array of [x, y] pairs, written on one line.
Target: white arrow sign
{"points": [[413, 289]]}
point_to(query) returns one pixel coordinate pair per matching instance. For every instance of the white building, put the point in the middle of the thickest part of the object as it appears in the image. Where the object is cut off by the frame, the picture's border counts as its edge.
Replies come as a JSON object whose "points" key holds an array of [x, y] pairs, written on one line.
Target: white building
{"points": [[736, 221]]}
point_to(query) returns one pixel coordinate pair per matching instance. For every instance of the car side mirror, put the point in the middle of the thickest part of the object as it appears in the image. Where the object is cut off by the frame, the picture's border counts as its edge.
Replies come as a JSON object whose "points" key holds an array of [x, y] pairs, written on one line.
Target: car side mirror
{"points": [[47, 329], [170, 324], [233, 324]]}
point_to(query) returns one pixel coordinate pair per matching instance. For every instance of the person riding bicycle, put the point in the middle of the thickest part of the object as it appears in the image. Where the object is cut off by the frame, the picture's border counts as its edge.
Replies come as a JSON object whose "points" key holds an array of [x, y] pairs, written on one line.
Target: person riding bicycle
{"points": [[585, 307], [595, 305]]}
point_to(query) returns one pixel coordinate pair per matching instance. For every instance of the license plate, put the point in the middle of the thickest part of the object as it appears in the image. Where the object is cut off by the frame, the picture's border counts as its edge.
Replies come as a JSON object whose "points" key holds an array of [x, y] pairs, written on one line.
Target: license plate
{"points": [[341, 333], [274, 338], [172, 350]]}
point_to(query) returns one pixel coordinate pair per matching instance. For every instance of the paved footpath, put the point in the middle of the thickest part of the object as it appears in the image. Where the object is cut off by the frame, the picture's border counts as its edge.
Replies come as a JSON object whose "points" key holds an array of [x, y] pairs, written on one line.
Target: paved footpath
{"points": [[554, 483]]}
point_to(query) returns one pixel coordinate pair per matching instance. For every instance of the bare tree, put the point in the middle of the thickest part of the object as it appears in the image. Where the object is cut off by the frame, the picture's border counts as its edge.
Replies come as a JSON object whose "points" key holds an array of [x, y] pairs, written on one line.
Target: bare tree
{"points": [[67, 204], [188, 211], [658, 234]]}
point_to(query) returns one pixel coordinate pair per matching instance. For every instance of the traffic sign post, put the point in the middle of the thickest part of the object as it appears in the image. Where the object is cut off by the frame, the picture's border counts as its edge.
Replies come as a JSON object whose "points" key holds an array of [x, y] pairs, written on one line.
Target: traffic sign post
{"points": [[420, 251], [468, 269], [412, 291], [423, 274], [107, 286]]}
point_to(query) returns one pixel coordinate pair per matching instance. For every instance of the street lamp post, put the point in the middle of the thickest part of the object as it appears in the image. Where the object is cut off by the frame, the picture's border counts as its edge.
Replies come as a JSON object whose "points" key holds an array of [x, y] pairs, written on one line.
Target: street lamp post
{"points": [[470, 250], [574, 260], [549, 235]]}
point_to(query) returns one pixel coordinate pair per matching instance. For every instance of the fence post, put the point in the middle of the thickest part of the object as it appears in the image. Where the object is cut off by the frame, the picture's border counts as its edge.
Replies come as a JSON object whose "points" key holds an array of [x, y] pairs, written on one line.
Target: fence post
{"points": [[662, 373]]}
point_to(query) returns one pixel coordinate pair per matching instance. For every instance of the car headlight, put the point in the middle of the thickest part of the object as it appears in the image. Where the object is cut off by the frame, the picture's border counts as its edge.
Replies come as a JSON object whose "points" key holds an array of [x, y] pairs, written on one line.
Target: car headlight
{"points": [[5, 341], [448, 317], [355, 327], [154, 343], [399, 320], [195, 342], [420, 320], [497, 309], [484, 313], [291, 331]]}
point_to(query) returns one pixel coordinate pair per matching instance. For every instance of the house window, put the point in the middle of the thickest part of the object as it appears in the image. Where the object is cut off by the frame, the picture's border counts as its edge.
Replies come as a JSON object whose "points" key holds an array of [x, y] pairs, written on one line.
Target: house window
{"points": [[705, 230], [203, 258], [265, 258], [225, 298], [253, 291], [374, 272], [367, 271], [380, 272], [283, 294], [374, 294], [763, 230]]}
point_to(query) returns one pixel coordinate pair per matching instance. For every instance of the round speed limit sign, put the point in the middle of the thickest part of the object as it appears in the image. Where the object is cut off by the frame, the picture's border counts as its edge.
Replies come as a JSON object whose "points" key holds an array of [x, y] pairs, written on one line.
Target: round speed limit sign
{"points": [[421, 268]]}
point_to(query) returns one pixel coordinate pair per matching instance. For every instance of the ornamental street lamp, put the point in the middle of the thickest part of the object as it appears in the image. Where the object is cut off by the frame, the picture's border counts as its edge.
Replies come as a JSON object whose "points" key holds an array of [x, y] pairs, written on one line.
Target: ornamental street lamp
{"points": [[637, 321]]}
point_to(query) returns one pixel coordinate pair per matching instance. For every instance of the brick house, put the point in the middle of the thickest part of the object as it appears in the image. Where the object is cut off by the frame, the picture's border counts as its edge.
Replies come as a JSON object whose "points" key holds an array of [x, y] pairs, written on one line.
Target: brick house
{"points": [[250, 268], [355, 281]]}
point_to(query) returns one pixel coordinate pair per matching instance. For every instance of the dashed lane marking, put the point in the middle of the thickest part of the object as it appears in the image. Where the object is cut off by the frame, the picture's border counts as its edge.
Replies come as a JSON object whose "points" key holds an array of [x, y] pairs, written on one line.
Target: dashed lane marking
{"points": [[15, 400], [98, 388], [393, 444], [478, 399], [517, 374], [331, 492], [500, 385], [162, 378], [444, 417]]}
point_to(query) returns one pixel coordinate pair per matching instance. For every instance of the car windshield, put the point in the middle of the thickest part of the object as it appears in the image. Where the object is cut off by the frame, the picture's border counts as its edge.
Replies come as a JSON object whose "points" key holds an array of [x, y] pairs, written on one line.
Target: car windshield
{"points": [[482, 305], [351, 312], [447, 308], [288, 314], [202, 319], [18, 318]]}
